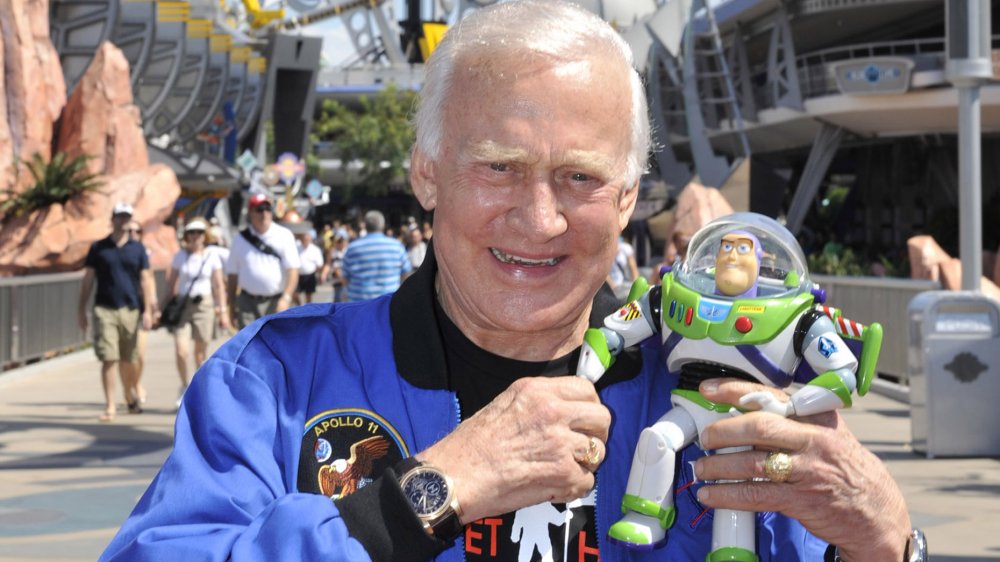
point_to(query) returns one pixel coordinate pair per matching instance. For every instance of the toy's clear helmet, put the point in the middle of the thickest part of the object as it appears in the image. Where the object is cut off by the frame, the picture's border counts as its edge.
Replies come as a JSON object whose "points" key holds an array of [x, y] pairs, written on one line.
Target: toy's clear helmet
{"points": [[782, 272]]}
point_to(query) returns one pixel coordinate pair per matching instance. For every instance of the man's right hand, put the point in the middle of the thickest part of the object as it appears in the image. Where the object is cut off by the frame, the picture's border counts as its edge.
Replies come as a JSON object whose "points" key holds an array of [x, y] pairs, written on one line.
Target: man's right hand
{"points": [[527, 446]]}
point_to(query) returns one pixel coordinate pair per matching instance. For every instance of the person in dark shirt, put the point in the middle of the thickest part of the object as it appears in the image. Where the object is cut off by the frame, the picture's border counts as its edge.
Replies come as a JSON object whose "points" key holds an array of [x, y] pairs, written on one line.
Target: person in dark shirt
{"points": [[125, 297]]}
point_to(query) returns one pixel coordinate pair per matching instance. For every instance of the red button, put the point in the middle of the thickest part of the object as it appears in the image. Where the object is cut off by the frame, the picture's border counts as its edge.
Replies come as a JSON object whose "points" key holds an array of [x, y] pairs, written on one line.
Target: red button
{"points": [[743, 324]]}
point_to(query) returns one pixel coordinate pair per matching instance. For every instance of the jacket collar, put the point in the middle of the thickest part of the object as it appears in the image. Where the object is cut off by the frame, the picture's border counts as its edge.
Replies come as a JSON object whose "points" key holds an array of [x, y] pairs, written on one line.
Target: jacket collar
{"points": [[417, 345]]}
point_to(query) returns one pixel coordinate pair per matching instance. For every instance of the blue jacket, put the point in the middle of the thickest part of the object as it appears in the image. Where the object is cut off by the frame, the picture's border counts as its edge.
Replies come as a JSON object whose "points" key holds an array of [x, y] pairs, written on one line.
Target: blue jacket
{"points": [[301, 388]]}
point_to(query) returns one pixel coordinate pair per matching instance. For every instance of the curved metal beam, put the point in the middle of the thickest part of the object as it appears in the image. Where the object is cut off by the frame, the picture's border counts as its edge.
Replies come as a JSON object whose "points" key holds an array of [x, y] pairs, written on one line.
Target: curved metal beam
{"points": [[161, 72], [191, 76], [712, 169], [666, 108], [208, 98], [239, 76], [165, 63], [782, 72], [77, 29], [135, 34], [253, 97]]}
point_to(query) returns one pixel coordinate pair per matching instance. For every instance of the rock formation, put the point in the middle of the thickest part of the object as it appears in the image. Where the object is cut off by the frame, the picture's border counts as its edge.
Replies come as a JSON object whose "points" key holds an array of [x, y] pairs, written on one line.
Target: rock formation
{"points": [[697, 205], [32, 88], [100, 120], [57, 238], [929, 261]]}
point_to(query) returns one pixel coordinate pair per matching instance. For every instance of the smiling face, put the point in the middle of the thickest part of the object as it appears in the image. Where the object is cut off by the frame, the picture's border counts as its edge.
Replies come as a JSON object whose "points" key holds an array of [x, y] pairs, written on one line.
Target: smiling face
{"points": [[529, 199], [736, 265]]}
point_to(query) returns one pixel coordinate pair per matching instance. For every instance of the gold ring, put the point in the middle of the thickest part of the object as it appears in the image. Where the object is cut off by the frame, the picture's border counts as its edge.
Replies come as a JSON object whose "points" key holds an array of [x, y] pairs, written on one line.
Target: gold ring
{"points": [[593, 453], [778, 466]]}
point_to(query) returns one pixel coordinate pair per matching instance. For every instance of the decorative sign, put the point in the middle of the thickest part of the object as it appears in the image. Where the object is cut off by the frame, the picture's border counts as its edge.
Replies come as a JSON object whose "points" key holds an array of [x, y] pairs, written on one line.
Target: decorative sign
{"points": [[289, 168], [246, 161], [877, 75], [314, 188]]}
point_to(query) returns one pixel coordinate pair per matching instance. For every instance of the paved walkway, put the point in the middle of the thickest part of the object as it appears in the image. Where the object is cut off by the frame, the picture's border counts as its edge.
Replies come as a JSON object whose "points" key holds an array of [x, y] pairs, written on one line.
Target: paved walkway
{"points": [[67, 481]]}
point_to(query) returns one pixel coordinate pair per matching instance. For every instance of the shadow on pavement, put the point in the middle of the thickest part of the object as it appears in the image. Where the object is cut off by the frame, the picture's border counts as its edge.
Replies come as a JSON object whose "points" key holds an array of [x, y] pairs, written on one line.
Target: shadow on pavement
{"points": [[112, 444]]}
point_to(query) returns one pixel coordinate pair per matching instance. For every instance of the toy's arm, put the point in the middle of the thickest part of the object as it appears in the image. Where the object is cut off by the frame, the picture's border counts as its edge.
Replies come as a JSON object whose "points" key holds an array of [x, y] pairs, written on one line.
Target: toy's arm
{"points": [[627, 326], [818, 340]]}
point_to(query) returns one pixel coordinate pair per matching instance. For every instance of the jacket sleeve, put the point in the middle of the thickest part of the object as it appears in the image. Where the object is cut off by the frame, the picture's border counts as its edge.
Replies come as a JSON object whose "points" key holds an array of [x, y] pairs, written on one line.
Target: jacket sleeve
{"points": [[226, 492]]}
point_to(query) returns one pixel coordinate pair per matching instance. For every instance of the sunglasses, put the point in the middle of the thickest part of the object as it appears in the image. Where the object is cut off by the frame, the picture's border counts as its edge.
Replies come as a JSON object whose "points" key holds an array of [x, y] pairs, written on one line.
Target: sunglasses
{"points": [[262, 209], [133, 231]]}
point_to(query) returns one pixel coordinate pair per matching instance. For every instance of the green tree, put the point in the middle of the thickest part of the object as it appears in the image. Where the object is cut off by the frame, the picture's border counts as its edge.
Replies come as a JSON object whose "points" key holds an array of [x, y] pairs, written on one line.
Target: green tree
{"points": [[56, 181], [379, 136]]}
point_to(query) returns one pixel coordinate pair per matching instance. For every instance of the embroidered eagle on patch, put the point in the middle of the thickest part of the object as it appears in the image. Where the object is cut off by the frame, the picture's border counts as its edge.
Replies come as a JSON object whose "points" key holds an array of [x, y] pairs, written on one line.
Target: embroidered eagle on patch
{"points": [[343, 477]]}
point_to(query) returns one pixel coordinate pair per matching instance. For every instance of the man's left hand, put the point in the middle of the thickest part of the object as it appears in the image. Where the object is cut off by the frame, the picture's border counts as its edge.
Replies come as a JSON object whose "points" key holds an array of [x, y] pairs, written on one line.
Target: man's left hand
{"points": [[837, 489]]}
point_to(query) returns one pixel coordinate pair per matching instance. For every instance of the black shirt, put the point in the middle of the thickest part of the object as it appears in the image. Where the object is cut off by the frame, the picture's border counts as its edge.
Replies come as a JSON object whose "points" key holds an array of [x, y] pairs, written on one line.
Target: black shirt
{"points": [[117, 270], [431, 352]]}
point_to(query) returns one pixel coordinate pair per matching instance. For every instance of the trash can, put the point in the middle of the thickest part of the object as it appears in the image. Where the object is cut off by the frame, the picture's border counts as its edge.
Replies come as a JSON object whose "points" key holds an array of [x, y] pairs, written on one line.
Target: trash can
{"points": [[954, 371]]}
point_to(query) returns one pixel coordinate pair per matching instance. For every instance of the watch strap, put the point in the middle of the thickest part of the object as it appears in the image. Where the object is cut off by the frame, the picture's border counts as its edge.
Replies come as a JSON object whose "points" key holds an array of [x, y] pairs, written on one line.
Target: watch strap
{"points": [[914, 551], [405, 465], [448, 527]]}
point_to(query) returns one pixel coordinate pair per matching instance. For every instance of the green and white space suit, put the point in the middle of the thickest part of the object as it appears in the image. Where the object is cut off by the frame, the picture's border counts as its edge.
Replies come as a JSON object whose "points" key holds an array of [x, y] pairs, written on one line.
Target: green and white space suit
{"points": [[761, 336]]}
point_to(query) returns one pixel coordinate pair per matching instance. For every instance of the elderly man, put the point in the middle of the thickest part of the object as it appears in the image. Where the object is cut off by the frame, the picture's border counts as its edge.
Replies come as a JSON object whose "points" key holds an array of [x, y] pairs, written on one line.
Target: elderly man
{"points": [[263, 264], [434, 422], [374, 264]]}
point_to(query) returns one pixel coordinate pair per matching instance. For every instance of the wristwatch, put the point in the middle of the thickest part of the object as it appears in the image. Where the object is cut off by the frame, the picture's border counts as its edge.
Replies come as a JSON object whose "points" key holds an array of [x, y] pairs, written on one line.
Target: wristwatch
{"points": [[915, 551], [431, 494]]}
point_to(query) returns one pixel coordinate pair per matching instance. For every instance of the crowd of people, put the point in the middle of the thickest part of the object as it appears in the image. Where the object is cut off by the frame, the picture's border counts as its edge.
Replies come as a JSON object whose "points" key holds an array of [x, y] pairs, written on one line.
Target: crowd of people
{"points": [[370, 279], [267, 270]]}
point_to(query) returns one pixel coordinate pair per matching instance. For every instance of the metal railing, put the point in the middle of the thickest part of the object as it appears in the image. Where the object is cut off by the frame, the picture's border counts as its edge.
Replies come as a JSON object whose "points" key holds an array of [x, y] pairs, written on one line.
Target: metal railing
{"points": [[883, 300], [38, 316], [815, 70]]}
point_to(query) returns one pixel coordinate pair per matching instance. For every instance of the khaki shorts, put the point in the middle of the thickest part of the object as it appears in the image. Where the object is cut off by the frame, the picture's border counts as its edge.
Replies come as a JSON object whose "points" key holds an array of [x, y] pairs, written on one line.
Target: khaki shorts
{"points": [[249, 308], [116, 333], [197, 320]]}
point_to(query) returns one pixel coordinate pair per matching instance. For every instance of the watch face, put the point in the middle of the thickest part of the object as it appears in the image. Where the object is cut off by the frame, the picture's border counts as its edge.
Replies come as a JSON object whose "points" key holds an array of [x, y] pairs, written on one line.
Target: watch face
{"points": [[426, 490]]}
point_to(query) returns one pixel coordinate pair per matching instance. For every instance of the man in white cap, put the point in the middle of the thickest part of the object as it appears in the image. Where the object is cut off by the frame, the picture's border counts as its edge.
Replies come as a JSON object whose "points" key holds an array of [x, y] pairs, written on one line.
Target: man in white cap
{"points": [[125, 296]]}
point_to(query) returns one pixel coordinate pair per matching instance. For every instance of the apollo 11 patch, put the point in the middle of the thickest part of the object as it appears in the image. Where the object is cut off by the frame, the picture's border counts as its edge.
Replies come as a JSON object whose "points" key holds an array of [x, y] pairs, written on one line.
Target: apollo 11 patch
{"points": [[344, 450]]}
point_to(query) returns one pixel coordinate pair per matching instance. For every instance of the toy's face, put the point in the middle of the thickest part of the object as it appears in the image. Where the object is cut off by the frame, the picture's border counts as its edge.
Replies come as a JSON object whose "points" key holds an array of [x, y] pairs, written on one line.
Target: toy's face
{"points": [[736, 265], [743, 256]]}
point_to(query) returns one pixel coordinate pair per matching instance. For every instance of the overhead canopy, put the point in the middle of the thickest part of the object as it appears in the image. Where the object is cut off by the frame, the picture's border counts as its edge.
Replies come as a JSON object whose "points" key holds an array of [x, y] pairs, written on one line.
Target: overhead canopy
{"points": [[198, 172]]}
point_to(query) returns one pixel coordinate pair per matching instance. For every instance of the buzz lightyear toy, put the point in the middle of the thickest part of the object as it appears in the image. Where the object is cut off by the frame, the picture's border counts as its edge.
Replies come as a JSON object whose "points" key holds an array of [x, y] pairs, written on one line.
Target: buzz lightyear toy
{"points": [[741, 305]]}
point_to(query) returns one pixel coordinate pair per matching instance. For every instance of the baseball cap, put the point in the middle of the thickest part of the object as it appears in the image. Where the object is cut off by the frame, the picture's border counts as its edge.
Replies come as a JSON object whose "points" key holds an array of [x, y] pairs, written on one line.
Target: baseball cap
{"points": [[257, 200], [122, 208], [195, 224]]}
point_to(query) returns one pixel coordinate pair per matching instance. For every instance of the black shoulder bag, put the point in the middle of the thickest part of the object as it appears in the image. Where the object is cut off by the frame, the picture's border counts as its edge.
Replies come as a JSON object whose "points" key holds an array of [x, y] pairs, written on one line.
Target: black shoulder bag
{"points": [[256, 242], [173, 311]]}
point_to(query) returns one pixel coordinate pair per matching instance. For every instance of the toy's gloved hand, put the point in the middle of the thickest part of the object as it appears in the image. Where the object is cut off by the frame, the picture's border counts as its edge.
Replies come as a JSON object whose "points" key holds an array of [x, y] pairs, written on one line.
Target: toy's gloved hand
{"points": [[768, 402]]}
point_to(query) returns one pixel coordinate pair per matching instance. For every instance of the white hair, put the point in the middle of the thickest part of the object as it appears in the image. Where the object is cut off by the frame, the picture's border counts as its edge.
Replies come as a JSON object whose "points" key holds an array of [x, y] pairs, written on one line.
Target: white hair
{"points": [[525, 30]]}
